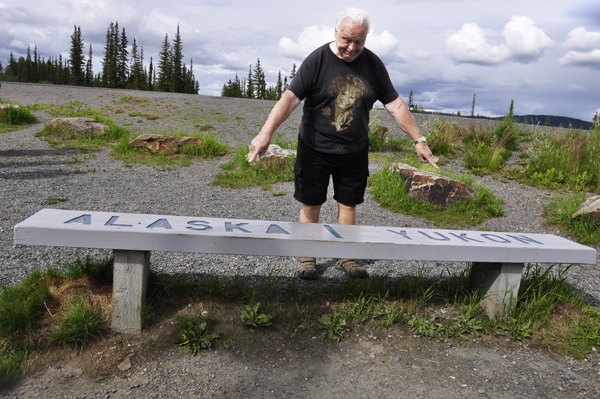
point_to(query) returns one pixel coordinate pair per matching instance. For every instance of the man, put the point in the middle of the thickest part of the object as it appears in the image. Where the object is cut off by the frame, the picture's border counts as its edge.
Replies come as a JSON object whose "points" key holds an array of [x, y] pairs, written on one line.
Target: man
{"points": [[339, 82]]}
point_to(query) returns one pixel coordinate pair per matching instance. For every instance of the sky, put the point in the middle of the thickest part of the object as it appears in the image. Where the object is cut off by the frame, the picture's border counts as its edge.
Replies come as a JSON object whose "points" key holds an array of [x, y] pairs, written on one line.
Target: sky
{"points": [[542, 54]]}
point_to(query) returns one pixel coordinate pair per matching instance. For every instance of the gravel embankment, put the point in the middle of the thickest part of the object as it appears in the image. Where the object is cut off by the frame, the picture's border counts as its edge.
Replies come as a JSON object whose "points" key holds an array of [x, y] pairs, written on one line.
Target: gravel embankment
{"points": [[31, 171]]}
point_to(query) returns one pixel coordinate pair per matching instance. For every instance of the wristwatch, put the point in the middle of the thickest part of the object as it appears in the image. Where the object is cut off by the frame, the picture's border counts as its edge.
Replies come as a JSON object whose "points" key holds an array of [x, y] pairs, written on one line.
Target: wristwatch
{"points": [[420, 140]]}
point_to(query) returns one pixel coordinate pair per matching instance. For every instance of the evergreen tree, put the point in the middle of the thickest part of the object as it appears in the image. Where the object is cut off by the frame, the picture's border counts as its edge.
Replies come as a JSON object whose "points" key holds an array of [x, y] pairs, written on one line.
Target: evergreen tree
{"points": [[109, 62], [150, 76], [293, 72], [122, 60], [177, 63], [548, 123], [76, 58], [89, 73], [28, 72], [473, 107], [511, 109], [250, 88], [165, 67], [279, 87], [136, 77], [259, 81], [285, 83], [411, 105]]}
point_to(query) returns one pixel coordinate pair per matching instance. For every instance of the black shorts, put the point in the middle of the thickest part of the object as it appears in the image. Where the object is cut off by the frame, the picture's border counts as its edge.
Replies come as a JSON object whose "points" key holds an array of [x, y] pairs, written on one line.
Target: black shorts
{"points": [[312, 171]]}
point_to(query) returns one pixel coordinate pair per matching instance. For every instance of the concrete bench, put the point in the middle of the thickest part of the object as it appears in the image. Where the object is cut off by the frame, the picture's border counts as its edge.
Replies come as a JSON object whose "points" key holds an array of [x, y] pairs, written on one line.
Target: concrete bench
{"points": [[498, 257]]}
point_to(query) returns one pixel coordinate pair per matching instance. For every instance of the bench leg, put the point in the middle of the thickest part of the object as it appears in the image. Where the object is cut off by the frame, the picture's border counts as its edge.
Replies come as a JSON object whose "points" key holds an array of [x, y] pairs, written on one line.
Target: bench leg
{"points": [[499, 283], [130, 279]]}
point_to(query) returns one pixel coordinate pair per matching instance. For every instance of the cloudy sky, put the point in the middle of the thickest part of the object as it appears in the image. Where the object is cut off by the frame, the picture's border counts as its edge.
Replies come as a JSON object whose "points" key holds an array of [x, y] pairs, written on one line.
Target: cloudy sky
{"points": [[543, 54]]}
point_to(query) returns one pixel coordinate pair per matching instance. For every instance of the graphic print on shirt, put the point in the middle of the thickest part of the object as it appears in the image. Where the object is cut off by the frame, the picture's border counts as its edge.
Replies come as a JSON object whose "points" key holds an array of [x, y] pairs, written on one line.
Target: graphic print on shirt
{"points": [[346, 93]]}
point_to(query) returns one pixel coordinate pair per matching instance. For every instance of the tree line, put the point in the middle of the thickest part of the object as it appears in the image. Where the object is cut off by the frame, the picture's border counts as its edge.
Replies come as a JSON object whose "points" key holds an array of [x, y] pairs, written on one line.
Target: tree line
{"points": [[255, 85], [120, 67]]}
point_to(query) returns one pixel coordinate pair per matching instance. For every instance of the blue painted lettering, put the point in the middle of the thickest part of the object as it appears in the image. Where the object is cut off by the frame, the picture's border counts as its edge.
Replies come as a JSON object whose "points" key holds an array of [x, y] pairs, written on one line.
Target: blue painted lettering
{"points": [[112, 220], [84, 219], [444, 238], [275, 229], [200, 225], [402, 233], [163, 223], [332, 231], [502, 239], [464, 237], [229, 227], [525, 240]]}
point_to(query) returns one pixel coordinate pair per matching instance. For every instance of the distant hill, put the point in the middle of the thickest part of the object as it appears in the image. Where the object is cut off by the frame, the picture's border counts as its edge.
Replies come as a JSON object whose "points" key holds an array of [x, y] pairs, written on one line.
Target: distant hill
{"points": [[555, 121]]}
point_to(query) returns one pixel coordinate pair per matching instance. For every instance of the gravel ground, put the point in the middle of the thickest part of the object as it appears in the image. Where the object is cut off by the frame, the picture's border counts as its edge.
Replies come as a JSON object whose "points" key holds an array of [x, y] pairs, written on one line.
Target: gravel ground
{"points": [[362, 366]]}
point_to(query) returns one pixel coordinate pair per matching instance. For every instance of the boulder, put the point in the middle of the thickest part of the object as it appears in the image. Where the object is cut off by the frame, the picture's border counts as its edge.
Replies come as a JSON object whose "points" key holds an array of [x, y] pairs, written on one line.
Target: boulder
{"points": [[164, 144], [590, 208], [275, 157], [79, 125], [275, 151], [426, 186]]}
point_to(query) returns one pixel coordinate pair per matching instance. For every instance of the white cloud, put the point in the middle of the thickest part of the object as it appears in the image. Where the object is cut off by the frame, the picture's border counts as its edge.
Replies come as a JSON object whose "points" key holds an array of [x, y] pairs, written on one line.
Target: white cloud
{"points": [[310, 38], [422, 55], [585, 49], [576, 87], [584, 59], [582, 40], [524, 43], [383, 44]]}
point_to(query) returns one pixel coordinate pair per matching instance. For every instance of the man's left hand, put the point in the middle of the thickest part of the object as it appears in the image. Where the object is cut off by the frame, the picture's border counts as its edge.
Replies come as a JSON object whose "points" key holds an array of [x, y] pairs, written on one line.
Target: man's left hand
{"points": [[424, 154]]}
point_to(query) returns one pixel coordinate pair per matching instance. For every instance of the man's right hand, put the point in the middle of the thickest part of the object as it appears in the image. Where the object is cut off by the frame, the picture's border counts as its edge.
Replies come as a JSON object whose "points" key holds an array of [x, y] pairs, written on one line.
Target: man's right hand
{"points": [[280, 112], [258, 146]]}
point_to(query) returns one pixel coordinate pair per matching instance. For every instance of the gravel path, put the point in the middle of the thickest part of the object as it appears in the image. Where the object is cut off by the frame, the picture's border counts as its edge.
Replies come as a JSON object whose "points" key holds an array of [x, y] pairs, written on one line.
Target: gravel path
{"points": [[387, 366]]}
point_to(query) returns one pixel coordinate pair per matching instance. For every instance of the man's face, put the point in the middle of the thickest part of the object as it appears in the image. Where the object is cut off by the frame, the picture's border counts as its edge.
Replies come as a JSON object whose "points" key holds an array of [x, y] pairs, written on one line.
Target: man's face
{"points": [[350, 40]]}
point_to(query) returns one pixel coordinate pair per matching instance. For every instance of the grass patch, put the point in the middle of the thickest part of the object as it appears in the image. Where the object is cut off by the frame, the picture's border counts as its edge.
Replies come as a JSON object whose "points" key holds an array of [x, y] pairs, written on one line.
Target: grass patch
{"points": [[240, 173], [64, 138], [211, 147], [560, 213], [54, 200], [70, 110], [14, 117], [80, 324], [563, 160], [390, 192]]}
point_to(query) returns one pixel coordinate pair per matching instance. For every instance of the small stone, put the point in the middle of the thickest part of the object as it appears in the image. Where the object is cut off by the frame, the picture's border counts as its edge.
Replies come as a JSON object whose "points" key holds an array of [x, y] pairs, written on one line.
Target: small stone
{"points": [[125, 364]]}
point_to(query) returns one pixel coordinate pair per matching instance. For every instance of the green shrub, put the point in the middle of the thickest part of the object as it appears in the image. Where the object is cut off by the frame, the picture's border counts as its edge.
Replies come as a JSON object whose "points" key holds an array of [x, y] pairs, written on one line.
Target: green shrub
{"points": [[79, 326], [16, 116]]}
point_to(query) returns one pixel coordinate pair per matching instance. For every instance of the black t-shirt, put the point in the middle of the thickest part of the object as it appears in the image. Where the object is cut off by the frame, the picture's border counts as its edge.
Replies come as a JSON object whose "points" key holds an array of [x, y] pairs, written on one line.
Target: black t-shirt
{"points": [[338, 97]]}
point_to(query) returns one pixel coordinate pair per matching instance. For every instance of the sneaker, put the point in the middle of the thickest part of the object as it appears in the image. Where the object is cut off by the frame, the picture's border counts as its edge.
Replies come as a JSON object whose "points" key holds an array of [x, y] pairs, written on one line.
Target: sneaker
{"points": [[351, 268], [307, 269]]}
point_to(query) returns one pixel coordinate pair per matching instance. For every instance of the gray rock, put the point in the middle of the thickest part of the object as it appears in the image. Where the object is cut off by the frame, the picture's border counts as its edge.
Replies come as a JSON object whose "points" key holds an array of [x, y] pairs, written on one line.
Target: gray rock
{"points": [[426, 186], [590, 208], [79, 125]]}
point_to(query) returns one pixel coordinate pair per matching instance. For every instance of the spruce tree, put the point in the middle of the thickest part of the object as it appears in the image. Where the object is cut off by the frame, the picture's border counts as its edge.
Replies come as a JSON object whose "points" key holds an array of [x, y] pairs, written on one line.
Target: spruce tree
{"points": [[473, 107], [89, 73], [293, 72], [411, 104], [178, 74], [279, 86], [76, 58], [150, 76], [511, 109], [250, 89], [165, 67], [109, 62], [122, 60], [136, 76]]}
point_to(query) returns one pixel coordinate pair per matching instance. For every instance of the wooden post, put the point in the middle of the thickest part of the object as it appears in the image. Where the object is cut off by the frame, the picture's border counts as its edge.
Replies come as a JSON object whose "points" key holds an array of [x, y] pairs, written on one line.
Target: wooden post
{"points": [[499, 283], [129, 290]]}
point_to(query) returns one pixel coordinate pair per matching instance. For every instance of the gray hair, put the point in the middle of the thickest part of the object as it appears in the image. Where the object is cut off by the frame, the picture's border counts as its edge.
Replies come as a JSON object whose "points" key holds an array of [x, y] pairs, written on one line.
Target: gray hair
{"points": [[356, 15]]}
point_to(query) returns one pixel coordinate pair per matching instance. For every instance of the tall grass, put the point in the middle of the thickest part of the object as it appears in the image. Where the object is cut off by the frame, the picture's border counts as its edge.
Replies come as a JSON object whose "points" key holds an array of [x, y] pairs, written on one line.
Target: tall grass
{"points": [[389, 191], [583, 228], [566, 159], [240, 173]]}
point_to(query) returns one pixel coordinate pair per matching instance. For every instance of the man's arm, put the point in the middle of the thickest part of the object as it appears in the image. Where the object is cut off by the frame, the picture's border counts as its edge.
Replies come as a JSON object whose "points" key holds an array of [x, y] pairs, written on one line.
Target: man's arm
{"points": [[280, 112], [399, 111]]}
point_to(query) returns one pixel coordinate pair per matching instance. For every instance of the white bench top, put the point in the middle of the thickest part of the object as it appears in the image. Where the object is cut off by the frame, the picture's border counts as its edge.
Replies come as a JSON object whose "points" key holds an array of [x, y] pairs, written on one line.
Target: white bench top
{"points": [[140, 232]]}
